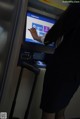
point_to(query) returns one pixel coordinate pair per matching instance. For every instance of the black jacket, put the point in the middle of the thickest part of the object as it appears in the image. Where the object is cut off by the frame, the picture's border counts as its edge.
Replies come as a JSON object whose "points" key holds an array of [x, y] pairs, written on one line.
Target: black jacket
{"points": [[67, 22], [68, 26]]}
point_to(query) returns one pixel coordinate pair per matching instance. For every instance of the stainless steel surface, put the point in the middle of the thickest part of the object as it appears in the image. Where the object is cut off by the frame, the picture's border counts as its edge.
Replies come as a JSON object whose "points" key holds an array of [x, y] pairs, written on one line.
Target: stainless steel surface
{"points": [[12, 28], [6, 10], [6, 14], [47, 8]]}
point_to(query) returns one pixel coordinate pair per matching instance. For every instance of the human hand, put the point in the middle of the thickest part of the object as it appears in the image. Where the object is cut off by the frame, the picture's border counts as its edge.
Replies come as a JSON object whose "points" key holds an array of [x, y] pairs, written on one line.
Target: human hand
{"points": [[33, 33]]}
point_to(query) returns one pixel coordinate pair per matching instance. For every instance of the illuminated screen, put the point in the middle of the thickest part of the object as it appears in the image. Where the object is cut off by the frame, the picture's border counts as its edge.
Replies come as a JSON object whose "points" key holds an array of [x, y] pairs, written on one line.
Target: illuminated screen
{"points": [[40, 22]]}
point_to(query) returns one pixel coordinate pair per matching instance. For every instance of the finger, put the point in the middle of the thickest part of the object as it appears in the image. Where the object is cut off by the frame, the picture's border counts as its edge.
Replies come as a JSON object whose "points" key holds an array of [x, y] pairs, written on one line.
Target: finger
{"points": [[29, 30]]}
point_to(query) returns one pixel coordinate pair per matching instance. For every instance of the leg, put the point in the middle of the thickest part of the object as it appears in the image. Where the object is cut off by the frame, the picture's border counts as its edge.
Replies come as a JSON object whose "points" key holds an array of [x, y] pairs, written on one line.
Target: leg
{"points": [[60, 114], [46, 115]]}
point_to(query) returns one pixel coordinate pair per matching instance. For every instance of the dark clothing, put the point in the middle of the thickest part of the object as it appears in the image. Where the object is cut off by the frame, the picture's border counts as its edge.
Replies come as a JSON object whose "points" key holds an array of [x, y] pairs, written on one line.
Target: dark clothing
{"points": [[66, 23], [62, 73], [58, 89]]}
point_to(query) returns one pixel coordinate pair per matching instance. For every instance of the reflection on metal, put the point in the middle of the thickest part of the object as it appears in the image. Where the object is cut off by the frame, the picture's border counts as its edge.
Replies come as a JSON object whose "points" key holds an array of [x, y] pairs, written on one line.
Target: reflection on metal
{"points": [[51, 6], [12, 20], [3, 39], [6, 14], [42, 12], [6, 10]]}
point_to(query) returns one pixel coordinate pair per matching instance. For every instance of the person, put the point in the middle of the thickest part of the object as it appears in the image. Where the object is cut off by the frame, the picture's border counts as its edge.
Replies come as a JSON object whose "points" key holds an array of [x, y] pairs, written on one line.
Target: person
{"points": [[62, 77]]}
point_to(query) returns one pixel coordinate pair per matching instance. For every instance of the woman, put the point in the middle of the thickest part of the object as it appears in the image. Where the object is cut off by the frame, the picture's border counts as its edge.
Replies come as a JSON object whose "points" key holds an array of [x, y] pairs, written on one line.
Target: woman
{"points": [[61, 77]]}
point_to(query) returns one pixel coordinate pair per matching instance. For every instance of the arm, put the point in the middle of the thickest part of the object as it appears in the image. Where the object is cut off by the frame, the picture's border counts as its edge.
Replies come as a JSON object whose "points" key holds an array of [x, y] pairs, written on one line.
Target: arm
{"points": [[41, 39]]}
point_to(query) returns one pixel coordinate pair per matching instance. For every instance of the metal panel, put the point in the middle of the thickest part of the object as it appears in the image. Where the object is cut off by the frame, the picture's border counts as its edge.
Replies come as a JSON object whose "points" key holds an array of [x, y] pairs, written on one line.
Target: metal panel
{"points": [[55, 3], [46, 7], [12, 29], [6, 11]]}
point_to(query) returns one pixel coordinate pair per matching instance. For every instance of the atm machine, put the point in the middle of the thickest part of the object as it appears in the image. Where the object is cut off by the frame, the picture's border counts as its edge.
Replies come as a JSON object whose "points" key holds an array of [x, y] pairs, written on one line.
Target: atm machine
{"points": [[20, 52], [33, 53], [42, 17]]}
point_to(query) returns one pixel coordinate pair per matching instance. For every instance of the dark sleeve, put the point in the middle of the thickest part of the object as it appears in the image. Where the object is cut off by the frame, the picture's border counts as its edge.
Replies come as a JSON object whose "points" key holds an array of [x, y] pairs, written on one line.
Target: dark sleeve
{"points": [[66, 22]]}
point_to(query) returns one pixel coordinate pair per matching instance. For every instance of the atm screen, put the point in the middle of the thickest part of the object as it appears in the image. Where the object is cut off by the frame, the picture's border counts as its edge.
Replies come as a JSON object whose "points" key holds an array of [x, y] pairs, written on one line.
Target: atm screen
{"points": [[40, 22], [42, 25]]}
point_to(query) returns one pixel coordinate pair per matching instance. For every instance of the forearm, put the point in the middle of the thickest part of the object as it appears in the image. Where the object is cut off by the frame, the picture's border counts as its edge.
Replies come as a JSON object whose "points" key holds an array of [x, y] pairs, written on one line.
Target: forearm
{"points": [[38, 38]]}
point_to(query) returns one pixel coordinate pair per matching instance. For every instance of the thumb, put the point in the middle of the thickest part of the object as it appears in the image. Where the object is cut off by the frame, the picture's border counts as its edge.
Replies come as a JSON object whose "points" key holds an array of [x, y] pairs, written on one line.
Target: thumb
{"points": [[29, 29]]}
